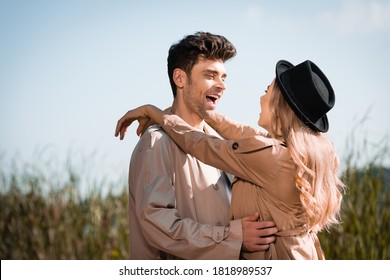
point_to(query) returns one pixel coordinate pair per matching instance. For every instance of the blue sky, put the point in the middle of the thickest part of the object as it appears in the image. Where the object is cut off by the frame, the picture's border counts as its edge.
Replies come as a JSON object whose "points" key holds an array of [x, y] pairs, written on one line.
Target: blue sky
{"points": [[70, 69]]}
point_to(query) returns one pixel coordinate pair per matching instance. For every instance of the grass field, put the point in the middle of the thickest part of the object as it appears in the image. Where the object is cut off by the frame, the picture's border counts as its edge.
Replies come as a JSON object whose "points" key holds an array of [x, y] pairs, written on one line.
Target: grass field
{"points": [[46, 217]]}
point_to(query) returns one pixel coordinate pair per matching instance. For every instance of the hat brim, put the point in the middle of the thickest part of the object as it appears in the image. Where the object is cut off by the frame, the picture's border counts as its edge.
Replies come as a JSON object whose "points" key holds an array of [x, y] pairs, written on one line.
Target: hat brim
{"points": [[322, 124]]}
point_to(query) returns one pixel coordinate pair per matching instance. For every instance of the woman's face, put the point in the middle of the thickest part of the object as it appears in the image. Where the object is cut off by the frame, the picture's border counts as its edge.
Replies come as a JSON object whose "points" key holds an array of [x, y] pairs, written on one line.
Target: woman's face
{"points": [[265, 114]]}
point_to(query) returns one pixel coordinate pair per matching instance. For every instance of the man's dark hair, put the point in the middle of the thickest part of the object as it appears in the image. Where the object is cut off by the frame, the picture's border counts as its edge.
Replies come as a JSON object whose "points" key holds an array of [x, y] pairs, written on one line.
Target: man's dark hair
{"points": [[185, 54]]}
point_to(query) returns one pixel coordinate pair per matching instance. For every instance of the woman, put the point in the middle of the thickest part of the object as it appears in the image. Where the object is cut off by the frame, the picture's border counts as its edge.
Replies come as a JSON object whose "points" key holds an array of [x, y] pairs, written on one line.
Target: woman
{"points": [[288, 175]]}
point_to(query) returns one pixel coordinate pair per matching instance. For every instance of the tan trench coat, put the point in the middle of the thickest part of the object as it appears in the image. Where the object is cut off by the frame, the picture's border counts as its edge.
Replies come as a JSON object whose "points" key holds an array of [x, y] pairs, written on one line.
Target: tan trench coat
{"points": [[264, 182], [178, 206]]}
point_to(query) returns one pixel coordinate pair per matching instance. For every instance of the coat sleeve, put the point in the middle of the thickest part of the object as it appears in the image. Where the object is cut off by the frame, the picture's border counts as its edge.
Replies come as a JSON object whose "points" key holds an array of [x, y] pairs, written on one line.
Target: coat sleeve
{"points": [[160, 221], [248, 158], [231, 129]]}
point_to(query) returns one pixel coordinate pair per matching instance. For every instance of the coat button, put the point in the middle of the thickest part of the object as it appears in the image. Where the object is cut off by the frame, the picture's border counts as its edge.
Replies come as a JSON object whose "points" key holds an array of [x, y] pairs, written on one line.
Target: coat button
{"points": [[235, 146], [216, 187]]}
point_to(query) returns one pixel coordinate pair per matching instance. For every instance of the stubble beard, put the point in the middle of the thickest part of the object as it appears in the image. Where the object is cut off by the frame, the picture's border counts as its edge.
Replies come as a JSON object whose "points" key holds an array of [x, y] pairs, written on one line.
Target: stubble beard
{"points": [[195, 105]]}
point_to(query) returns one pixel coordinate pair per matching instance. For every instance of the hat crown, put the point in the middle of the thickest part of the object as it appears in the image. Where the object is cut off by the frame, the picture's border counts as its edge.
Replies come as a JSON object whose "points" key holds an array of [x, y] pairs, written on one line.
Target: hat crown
{"points": [[307, 91]]}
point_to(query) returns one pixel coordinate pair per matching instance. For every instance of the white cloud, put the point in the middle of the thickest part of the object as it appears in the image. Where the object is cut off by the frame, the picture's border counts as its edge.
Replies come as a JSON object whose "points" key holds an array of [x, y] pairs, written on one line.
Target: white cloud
{"points": [[359, 16], [254, 14]]}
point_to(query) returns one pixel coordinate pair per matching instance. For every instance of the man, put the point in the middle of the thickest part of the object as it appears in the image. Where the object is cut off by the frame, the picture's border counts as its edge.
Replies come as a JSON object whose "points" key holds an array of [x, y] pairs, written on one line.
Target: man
{"points": [[178, 205]]}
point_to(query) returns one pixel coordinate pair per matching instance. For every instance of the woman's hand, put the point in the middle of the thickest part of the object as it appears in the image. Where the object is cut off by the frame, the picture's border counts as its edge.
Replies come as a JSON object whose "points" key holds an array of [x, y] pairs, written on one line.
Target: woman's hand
{"points": [[131, 116], [145, 115]]}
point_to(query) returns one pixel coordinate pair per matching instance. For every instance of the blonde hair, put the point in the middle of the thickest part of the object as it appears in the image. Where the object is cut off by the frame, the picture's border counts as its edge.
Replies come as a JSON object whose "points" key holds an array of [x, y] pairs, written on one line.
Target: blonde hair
{"points": [[317, 164]]}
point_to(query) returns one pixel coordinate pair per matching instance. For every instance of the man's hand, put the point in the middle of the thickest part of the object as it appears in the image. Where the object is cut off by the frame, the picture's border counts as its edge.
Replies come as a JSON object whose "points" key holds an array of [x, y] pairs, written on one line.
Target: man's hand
{"points": [[257, 235]]}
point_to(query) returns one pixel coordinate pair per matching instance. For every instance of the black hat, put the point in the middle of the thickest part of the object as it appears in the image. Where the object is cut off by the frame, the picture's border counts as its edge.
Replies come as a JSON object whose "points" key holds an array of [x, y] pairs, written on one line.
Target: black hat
{"points": [[307, 91]]}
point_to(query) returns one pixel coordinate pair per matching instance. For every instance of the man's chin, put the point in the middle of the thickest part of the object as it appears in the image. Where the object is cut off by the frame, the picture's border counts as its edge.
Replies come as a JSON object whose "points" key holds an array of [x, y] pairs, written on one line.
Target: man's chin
{"points": [[203, 114], [210, 107], [208, 113]]}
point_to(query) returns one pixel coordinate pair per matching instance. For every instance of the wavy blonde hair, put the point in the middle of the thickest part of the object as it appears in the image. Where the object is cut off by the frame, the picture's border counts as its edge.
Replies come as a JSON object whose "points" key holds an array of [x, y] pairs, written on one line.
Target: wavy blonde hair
{"points": [[317, 164]]}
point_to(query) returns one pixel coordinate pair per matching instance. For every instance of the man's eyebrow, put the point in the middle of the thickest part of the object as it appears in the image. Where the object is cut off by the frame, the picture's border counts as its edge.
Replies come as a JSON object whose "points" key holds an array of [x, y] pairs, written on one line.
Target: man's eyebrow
{"points": [[210, 71]]}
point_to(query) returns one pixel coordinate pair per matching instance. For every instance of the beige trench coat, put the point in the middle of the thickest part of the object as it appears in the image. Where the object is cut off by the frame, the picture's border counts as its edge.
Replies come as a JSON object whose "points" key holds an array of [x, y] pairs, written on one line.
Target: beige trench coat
{"points": [[264, 182], [178, 206]]}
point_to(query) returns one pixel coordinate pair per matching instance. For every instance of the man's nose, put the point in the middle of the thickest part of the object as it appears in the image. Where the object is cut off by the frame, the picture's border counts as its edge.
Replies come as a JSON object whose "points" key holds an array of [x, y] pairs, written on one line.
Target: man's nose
{"points": [[221, 84]]}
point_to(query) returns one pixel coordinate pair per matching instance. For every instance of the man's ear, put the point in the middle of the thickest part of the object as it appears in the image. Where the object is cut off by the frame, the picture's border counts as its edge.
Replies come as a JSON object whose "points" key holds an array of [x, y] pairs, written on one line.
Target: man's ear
{"points": [[179, 77]]}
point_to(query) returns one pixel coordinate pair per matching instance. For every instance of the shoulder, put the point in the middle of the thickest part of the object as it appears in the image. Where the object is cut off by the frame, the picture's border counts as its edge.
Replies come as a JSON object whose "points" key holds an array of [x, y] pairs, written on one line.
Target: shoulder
{"points": [[257, 143], [154, 146], [153, 138]]}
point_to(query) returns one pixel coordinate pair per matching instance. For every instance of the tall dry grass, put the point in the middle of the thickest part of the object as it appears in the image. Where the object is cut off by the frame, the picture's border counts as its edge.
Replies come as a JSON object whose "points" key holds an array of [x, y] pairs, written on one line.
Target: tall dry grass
{"points": [[44, 216], [40, 219], [364, 232]]}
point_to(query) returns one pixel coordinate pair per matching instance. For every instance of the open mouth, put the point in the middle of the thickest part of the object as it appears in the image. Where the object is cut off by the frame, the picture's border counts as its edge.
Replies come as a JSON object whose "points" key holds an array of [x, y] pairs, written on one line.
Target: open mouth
{"points": [[212, 98]]}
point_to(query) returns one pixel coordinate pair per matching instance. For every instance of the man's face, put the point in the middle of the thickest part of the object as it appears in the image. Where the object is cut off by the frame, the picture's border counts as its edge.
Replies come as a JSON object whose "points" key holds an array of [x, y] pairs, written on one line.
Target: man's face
{"points": [[205, 86]]}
